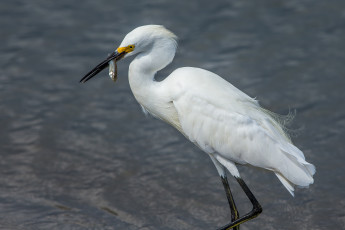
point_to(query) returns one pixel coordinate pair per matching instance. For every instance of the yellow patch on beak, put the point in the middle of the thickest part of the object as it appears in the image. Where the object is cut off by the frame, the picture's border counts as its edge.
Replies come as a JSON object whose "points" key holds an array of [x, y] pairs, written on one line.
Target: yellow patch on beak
{"points": [[126, 49]]}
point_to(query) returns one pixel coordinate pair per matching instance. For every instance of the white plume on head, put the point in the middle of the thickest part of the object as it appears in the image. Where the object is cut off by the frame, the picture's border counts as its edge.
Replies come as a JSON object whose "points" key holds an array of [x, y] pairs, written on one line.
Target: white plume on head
{"points": [[155, 48], [145, 36]]}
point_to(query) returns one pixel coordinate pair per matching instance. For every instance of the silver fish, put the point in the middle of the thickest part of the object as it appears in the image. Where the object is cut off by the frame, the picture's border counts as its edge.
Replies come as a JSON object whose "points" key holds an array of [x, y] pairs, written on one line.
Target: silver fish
{"points": [[113, 70]]}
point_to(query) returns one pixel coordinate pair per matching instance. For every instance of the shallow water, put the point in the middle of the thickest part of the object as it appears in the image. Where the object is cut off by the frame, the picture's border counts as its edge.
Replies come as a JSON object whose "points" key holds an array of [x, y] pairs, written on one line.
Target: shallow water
{"points": [[83, 156]]}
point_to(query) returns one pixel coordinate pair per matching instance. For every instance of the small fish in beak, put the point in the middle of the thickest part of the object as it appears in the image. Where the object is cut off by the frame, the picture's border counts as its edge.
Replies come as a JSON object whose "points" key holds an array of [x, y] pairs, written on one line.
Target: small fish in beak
{"points": [[113, 70], [109, 61]]}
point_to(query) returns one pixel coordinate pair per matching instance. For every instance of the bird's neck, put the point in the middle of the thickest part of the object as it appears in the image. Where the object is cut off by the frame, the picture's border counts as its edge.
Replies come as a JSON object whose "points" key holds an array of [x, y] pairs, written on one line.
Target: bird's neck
{"points": [[144, 67]]}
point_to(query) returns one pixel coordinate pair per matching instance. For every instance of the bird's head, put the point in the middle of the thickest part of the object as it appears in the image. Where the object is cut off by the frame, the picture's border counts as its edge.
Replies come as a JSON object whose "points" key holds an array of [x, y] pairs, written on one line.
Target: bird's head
{"points": [[139, 40]]}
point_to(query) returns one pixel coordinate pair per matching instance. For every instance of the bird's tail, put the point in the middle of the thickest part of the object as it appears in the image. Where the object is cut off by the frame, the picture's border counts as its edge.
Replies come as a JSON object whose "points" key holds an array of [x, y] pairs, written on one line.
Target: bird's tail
{"points": [[296, 170], [287, 184]]}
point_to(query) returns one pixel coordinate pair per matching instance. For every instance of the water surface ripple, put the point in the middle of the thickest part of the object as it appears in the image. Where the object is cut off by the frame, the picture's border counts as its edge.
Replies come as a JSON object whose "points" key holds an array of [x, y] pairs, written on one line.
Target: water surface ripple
{"points": [[83, 156]]}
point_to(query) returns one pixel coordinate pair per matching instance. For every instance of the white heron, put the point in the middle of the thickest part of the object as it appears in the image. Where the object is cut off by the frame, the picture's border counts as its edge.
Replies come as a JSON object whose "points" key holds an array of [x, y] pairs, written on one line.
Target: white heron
{"points": [[221, 120]]}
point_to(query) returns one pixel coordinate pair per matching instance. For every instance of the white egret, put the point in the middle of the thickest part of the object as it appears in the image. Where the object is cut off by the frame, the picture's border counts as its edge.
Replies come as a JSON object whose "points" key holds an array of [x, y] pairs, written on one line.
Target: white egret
{"points": [[221, 120]]}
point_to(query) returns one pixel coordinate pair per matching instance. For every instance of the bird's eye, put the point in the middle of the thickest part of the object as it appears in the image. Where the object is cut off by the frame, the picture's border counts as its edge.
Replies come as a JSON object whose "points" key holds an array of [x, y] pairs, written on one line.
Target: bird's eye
{"points": [[129, 48]]}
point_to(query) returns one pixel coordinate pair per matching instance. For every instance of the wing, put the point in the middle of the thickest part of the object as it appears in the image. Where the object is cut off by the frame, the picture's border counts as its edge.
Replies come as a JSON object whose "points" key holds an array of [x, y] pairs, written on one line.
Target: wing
{"points": [[215, 128], [221, 119]]}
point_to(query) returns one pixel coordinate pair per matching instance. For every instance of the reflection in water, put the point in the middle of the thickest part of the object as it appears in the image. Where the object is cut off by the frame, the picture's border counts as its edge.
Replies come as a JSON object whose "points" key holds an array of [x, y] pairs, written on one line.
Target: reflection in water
{"points": [[85, 157]]}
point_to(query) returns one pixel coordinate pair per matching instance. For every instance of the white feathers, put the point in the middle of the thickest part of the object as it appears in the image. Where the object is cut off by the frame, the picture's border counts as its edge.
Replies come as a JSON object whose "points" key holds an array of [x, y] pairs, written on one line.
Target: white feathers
{"points": [[219, 118], [288, 185], [230, 166]]}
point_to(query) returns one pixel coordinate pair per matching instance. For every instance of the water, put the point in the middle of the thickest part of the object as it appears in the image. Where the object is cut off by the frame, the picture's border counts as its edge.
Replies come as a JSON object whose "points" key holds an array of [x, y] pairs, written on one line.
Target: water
{"points": [[83, 156]]}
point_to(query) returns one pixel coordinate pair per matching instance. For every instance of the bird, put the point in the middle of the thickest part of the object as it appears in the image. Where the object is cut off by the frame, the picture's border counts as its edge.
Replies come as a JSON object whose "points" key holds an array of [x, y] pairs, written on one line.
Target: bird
{"points": [[224, 122]]}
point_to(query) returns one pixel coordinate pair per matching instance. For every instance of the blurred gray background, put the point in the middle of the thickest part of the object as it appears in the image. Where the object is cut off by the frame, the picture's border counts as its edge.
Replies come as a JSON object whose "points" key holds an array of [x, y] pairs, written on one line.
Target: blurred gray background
{"points": [[83, 156]]}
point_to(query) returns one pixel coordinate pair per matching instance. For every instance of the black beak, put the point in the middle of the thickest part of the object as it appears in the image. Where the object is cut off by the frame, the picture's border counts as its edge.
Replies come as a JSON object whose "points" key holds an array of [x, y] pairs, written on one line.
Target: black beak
{"points": [[101, 66]]}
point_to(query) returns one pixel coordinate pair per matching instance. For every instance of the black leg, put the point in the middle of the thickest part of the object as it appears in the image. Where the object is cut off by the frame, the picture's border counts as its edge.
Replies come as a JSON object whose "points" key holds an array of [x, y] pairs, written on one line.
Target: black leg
{"points": [[232, 205], [252, 214]]}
